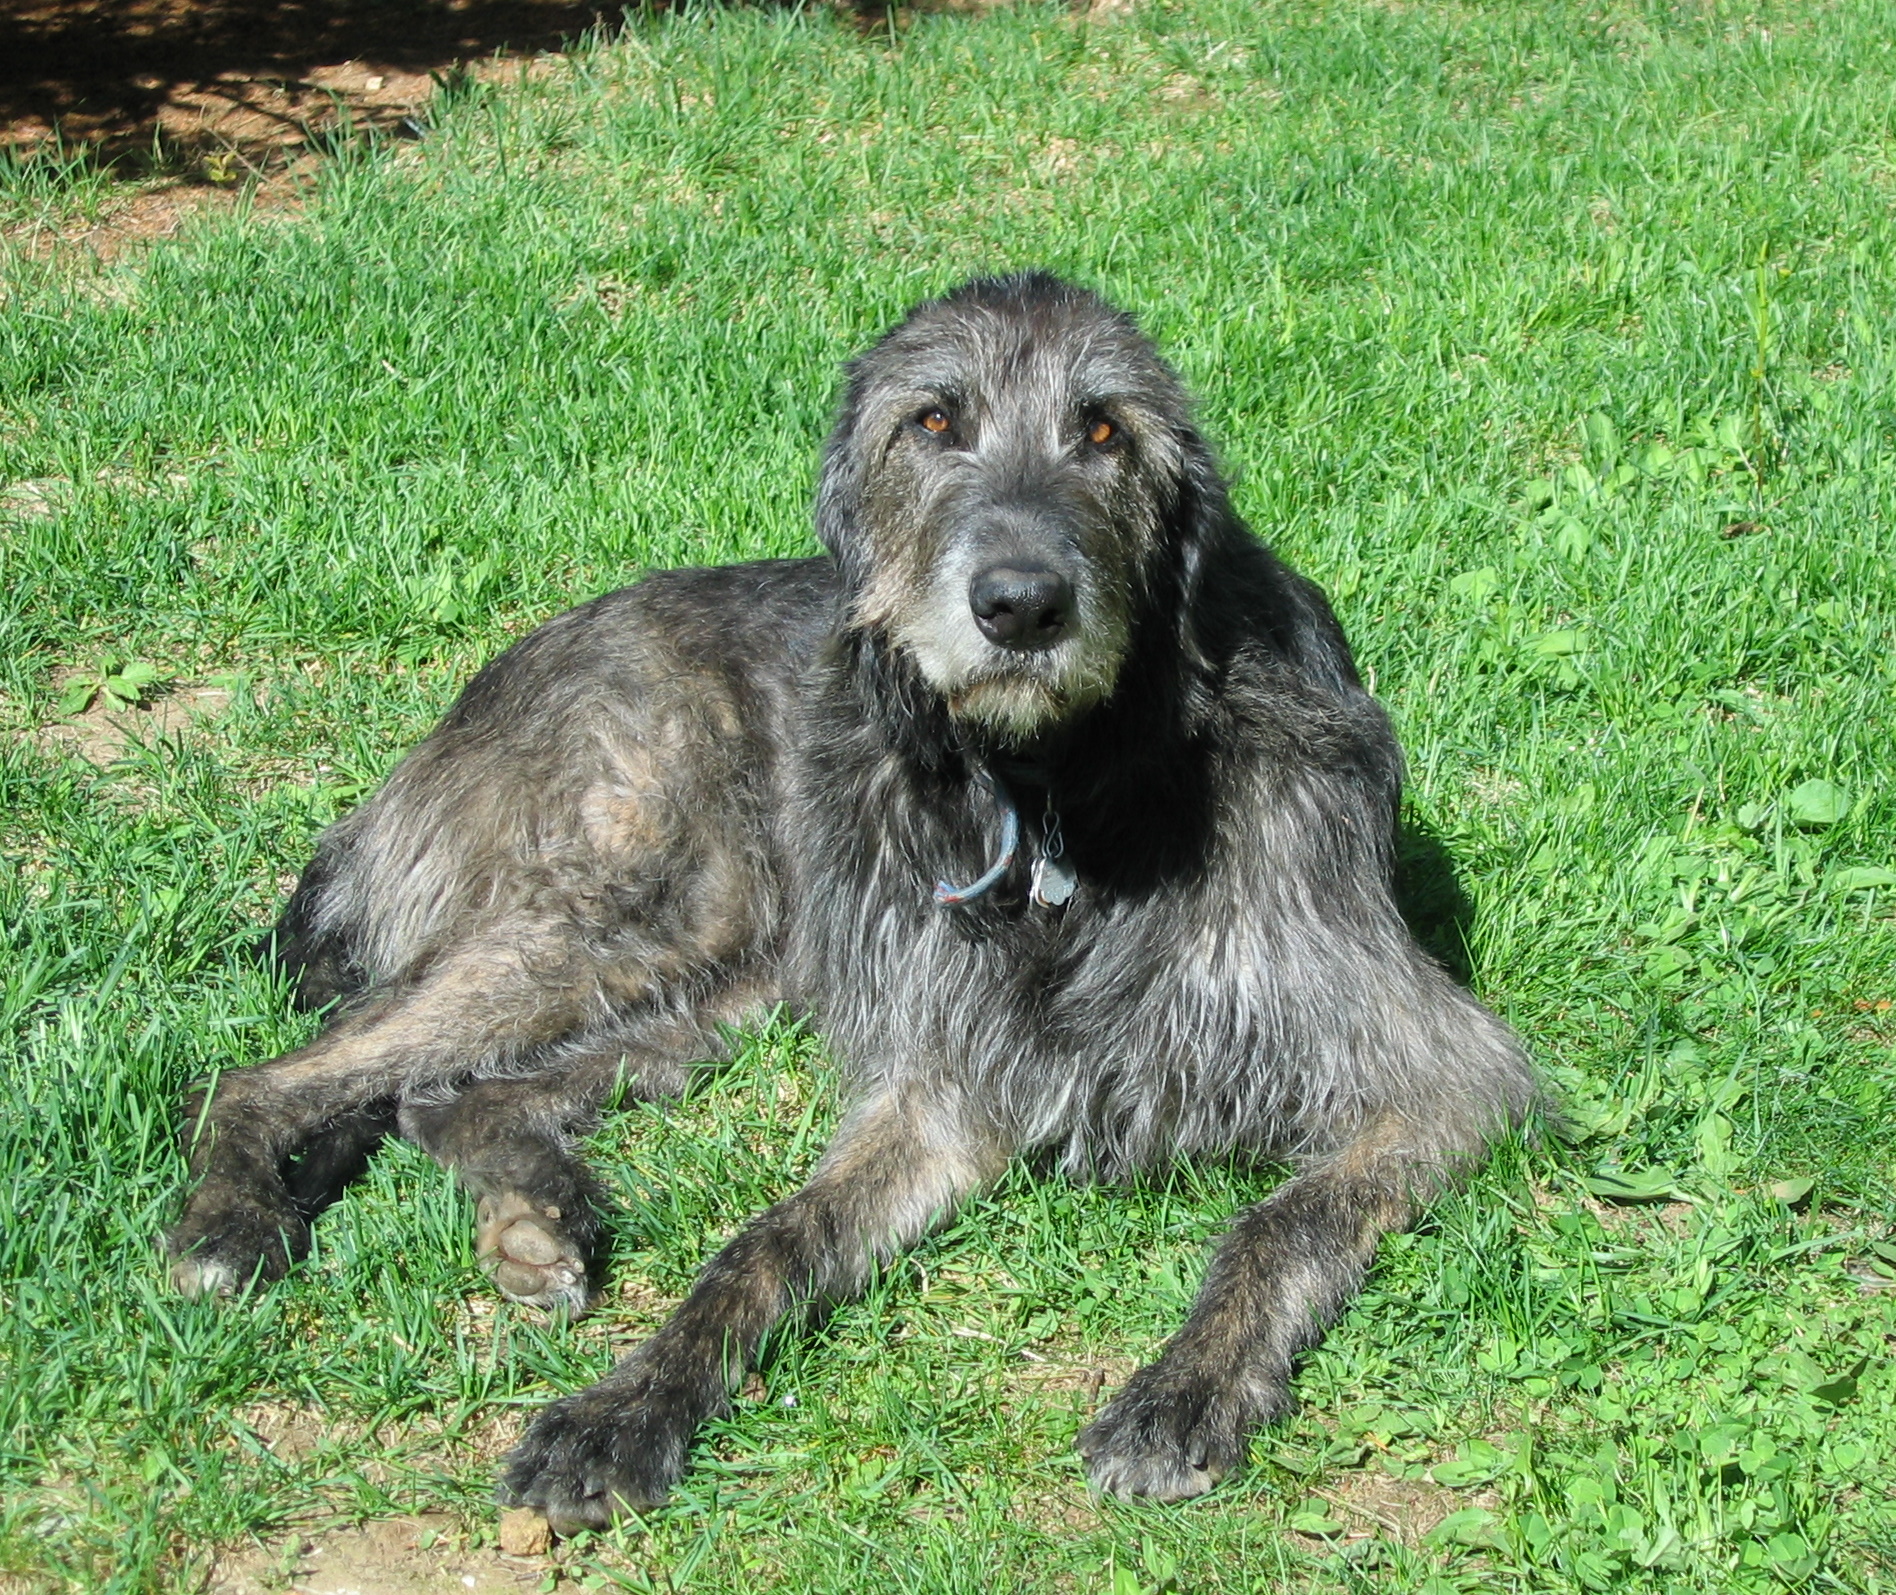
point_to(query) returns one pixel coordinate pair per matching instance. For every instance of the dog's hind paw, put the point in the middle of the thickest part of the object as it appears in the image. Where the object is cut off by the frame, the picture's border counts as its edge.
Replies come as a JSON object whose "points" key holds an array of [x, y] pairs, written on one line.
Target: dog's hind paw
{"points": [[597, 1455], [1165, 1437], [529, 1257]]}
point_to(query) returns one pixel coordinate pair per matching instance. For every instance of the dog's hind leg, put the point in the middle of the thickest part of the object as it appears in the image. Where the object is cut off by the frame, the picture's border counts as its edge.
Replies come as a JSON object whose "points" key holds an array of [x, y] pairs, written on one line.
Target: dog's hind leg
{"points": [[895, 1168], [510, 1142], [1282, 1274], [474, 1007]]}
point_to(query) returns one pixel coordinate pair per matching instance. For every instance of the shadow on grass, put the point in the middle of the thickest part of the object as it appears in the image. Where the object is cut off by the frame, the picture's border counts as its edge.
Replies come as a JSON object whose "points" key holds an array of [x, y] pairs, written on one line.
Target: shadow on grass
{"points": [[1429, 893], [174, 84], [209, 90]]}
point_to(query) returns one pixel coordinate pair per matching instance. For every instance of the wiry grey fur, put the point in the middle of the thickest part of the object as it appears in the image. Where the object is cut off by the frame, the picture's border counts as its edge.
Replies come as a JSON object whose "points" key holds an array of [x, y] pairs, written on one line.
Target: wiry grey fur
{"points": [[719, 789]]}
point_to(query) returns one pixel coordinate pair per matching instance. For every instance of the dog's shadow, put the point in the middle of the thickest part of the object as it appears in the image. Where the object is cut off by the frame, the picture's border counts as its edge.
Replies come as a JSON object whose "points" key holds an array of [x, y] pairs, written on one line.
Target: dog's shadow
{"points": [[1430, 897]]}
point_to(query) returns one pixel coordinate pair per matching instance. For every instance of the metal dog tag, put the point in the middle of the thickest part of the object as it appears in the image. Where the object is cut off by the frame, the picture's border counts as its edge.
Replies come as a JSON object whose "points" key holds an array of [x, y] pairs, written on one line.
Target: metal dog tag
{"points": [[1053, 881]]}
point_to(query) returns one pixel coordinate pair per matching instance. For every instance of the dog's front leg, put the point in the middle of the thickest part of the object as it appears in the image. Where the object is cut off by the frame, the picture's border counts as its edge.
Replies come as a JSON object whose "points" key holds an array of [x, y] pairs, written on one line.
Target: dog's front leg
{"points": [[899, 1165], [1284, 1271]]}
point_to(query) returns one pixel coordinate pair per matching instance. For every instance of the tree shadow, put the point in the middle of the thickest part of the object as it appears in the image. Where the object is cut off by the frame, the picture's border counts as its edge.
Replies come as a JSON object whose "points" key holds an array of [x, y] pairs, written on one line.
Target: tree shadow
{"points": [[168, 83], [209, 90], [1429, 894]]}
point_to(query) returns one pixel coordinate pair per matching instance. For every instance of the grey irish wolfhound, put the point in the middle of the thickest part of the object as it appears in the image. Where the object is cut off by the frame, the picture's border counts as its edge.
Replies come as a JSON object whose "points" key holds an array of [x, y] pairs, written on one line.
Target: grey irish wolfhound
{"points": [[1049, 792]]}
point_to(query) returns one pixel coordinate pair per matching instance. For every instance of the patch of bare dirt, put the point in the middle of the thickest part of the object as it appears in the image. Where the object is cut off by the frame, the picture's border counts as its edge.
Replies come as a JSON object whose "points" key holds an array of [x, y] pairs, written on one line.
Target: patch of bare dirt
{"points": [[102, 734], [247, 79], [427, 1554], [1405, 1510], [1675, 1218], [430, 1553], [1093, 1381], [291, 1432], [1071, 1509], [34, 500], [294, 1432], [136, 216]]}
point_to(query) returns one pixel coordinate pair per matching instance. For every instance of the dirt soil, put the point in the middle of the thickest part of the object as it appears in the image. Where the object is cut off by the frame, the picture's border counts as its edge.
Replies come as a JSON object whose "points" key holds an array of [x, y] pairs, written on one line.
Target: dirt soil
{"points": [[216, 85], [423, 1555], [104, 731]]}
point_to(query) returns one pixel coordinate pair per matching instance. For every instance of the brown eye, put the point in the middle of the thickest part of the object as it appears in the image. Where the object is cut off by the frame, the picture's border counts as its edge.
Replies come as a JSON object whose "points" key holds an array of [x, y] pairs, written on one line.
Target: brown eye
{"points": [[934, 421], [1101, 432]]}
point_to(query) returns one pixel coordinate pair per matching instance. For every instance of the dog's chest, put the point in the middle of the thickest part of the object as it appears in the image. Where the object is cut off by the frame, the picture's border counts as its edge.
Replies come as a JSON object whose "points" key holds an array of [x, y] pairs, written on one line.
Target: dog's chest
{"points": [[1119, 1034]]}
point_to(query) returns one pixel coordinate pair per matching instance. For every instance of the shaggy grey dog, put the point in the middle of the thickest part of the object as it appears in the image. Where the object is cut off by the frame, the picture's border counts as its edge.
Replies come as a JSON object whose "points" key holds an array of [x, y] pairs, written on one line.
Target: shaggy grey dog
{"points": [[1044, 660]]}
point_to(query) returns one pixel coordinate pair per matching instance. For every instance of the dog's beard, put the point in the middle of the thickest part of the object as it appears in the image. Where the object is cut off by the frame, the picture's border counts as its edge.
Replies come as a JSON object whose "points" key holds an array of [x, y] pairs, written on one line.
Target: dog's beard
{"points": [[1014, 697], [1015, 709]]}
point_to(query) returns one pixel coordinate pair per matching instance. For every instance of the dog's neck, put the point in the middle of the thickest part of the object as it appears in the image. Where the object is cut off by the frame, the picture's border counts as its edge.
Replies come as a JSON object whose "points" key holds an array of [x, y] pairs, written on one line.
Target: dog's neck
{"points": [[1118, 755], [1123, 790]]}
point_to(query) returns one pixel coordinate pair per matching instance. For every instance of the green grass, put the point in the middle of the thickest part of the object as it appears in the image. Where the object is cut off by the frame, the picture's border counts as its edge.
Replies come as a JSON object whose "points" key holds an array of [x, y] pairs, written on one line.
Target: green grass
{"points": [[1554, 339]]}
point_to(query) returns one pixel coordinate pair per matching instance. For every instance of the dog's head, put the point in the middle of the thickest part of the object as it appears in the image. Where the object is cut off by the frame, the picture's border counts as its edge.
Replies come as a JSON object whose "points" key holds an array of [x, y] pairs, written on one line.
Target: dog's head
{"points": [[1013, 478]]}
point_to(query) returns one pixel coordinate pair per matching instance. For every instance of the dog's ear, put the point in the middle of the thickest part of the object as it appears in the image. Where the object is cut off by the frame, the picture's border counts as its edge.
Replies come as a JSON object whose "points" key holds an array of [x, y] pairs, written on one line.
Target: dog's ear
{"points": [[839, 485], [1198, 519], [1294, 608], [838, 508]]}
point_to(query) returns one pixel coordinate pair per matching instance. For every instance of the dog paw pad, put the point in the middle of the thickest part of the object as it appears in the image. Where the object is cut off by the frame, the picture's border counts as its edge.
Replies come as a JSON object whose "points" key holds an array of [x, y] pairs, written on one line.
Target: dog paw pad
{"points": [[528, 1257]]}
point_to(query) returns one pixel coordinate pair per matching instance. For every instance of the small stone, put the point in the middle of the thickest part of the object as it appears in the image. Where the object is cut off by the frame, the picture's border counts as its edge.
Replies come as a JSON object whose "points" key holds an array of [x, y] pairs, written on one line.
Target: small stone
{"points": [[524, 1533]]}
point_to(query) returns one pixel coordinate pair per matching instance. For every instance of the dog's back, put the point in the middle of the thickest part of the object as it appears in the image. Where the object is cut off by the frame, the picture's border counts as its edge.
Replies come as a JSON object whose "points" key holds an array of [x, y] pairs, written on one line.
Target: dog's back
{"points": [[615, 757]]}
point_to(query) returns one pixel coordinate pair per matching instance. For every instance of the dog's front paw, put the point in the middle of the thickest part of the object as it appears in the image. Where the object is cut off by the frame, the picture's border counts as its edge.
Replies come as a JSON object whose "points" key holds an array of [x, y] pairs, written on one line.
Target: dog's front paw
{"points": [[1167, 1436], [614, 1448], [223, 1250]]}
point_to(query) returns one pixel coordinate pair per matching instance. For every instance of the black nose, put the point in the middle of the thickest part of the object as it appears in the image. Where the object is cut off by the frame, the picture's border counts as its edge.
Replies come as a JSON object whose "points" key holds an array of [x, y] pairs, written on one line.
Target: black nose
{"points": [[1022, 609]]}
